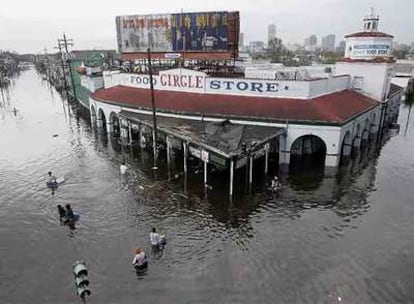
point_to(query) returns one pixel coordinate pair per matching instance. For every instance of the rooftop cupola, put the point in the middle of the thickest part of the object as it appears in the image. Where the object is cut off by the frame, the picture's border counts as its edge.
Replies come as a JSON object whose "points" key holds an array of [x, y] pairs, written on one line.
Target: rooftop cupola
{"points": [[369, 44], [371, 21]]}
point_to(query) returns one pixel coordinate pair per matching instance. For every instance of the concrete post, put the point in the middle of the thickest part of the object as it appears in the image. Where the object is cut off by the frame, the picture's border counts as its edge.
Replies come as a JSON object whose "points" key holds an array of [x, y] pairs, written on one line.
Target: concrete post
{"points": [[205, 173], [130, 133], [231, 177], [185, 157], [250, 169], [167, 139], [284, 153], [266, 147]]}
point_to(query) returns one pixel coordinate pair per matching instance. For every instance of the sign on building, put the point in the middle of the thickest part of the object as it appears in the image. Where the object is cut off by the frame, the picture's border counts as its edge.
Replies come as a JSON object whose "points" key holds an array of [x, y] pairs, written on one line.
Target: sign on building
{"points": [[203, 31]]}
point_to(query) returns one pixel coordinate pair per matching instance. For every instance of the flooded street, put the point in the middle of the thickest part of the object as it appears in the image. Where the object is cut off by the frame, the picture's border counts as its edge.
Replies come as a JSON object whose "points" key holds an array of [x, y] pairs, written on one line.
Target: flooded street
{"points": [[346, 238]]}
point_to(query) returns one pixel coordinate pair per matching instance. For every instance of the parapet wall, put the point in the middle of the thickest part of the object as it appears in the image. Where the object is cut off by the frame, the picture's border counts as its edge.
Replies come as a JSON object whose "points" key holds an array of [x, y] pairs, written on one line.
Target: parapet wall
{"points": [[184, 80]]}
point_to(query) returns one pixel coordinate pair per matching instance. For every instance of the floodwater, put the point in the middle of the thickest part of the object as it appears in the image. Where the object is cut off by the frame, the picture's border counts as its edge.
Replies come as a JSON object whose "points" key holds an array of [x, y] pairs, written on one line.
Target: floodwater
{"points": [[346, 238]]}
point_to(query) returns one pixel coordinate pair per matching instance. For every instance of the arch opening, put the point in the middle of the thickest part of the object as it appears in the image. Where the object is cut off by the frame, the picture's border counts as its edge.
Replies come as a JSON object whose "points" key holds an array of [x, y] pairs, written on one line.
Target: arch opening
{"points": [[101, 119], [115, 124], [307, 161]]}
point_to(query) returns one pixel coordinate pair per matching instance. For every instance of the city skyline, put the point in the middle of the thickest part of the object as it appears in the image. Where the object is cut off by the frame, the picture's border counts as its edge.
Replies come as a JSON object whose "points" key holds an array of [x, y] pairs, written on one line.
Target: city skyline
{"points": [[33, 28]]}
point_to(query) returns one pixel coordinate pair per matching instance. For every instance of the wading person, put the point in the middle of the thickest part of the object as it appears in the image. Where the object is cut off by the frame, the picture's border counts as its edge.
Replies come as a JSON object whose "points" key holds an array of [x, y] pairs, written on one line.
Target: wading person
{"points": [[61, 211], [140, 259], [123, 168], [155, 240], [52, 179], [69, 216]]}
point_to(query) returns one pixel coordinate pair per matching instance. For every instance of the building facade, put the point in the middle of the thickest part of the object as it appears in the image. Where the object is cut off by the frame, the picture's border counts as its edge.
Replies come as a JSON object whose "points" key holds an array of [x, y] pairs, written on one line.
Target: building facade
{"points": [[333, 116]]}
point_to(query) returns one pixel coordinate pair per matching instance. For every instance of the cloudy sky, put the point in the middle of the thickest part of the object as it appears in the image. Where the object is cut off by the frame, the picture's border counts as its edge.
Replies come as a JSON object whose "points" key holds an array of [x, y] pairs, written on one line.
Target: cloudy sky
{"points": [[31, 26]]}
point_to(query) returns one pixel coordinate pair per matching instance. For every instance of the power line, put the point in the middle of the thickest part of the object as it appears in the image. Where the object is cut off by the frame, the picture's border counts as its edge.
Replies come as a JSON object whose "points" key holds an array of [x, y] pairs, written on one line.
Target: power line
{"points": [[63, 44]]}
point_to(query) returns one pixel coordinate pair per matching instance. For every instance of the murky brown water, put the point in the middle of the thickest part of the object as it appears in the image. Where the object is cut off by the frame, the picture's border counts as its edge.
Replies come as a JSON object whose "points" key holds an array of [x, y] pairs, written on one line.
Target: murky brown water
{"points": [[321, 239]]}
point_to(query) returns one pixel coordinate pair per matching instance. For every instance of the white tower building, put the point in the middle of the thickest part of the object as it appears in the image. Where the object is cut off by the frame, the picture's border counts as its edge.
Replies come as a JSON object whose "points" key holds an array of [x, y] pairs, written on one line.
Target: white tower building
{"points": [[368, 59]]}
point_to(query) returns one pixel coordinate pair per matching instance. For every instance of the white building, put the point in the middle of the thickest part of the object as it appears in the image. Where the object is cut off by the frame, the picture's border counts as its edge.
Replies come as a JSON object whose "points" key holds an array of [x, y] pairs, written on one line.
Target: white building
{"points": [[331, 115]]}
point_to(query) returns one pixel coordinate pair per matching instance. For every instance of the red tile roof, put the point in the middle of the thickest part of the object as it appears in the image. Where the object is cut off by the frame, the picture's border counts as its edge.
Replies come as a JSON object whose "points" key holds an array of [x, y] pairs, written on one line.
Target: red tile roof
{"points": [[374, 60], [335, 108], [369, 34]]}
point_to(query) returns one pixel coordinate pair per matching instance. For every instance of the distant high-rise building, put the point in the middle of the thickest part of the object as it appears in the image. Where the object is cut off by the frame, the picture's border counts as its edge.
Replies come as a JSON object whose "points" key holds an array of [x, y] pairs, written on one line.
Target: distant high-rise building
{"points": [[241, 40], [310, 43], [328, 43], [341, 47], [271, 32], [313, 40]]}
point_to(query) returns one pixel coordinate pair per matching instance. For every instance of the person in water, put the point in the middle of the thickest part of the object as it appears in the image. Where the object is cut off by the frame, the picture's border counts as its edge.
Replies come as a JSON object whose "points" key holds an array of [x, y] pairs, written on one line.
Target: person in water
{"points": [[275, 185], [61, 211], [140, 259], [155, 239], [69, 216], [52, 178], [123, 168]]}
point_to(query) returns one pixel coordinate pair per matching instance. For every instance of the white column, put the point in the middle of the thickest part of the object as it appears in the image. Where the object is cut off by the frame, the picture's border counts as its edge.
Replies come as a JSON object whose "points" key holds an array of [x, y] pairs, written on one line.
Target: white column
{"points": [[266, 147]]}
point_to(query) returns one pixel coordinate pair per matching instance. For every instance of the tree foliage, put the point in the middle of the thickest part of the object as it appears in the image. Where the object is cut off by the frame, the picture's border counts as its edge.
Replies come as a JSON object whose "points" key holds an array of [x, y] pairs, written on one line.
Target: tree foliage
{"points": [[277, 52]]}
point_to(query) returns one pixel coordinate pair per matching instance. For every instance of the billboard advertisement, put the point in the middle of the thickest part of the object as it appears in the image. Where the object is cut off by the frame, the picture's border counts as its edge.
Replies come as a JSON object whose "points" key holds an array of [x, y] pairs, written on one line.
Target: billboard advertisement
{"points": [[191, 32]]}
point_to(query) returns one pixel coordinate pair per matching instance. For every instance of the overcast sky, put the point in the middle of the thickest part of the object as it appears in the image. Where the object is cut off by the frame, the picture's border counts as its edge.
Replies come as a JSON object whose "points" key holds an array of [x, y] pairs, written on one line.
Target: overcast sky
{"points": [[32, 25]]}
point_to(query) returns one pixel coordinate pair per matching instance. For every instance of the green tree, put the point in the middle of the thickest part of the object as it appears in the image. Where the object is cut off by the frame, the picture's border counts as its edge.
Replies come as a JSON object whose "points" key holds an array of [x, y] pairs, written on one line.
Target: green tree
{"points": [[276, 50], [330, 57]]}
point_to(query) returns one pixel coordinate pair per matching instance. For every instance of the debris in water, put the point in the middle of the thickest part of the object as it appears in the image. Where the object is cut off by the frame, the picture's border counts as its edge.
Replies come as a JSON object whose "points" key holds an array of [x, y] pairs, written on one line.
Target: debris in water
{"points": [[55, 135]]}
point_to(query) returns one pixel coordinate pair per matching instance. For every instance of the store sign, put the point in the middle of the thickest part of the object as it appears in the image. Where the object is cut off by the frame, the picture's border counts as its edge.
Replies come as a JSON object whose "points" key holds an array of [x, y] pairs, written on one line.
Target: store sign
{"points": [[185, 80], [364, 50], [245, 85]]}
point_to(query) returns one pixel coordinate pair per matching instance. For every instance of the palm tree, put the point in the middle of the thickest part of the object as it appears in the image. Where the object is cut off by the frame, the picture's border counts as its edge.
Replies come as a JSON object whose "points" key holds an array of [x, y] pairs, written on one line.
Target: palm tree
{"points": [[409, 100]]}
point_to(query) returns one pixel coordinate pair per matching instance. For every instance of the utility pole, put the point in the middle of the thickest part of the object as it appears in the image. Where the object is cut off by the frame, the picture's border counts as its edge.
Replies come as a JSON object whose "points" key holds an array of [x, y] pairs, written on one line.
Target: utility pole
{"points": [[62, 64], [154, 117], [63, 44]]}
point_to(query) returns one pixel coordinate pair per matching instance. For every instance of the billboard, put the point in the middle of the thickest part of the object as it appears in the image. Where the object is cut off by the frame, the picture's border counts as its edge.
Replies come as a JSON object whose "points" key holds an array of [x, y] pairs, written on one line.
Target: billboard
{"points": [[183, 32]]}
